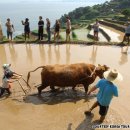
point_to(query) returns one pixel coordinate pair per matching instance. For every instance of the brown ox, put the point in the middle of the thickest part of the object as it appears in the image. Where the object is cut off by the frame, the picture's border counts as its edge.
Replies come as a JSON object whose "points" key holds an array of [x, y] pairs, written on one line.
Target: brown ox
{"points": [[69, 75]]}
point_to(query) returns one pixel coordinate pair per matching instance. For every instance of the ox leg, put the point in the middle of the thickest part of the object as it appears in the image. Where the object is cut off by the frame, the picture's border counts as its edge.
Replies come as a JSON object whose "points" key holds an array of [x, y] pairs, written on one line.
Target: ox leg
{"points": [[40, 89], [73, 88], [86, 88]]}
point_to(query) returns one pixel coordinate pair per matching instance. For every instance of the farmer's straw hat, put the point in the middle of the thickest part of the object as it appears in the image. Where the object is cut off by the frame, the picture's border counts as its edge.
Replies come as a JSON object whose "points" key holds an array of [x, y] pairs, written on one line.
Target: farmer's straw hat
{"points": [[5, 66], [113, 75]]}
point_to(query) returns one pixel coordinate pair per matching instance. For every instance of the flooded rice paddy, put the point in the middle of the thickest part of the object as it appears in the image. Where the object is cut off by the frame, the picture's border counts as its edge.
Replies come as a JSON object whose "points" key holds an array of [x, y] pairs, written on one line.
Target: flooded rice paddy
{"points": [[62, 110]]}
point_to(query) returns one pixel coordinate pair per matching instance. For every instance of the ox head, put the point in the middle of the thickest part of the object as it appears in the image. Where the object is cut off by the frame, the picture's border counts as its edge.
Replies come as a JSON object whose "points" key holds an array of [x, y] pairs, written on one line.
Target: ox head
{"points": [[100, 70]]}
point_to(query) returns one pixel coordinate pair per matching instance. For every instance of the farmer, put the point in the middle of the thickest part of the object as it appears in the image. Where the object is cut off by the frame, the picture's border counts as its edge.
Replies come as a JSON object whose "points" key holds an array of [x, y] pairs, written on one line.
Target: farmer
{"points": [[107, 89], [6, 86], [9, 73]]}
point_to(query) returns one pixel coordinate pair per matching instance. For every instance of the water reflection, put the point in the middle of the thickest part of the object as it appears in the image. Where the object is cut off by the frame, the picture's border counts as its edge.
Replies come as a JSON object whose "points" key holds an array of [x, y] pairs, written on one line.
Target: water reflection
{"points": [[42, 54], [3, 57], [93, 54], [13, 53], [87, 123], [124, 55], [69, 126], [49, 54], [29, 53], [68, 54], [57, 53]]}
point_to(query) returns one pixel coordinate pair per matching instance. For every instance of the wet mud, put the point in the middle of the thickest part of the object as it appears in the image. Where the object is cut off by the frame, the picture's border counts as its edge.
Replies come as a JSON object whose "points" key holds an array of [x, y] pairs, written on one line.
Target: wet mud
{"points": [[64, 108]]}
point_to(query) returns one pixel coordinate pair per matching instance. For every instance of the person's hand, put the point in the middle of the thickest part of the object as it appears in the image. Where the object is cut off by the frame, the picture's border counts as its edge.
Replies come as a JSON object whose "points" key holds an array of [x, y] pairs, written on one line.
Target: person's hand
{"points": [[22, 22]]}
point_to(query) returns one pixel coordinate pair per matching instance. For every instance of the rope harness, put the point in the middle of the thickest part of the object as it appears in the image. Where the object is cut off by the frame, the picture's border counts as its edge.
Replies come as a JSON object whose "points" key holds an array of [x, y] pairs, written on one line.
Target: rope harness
{"points": [[89, 76], [93, 72]]}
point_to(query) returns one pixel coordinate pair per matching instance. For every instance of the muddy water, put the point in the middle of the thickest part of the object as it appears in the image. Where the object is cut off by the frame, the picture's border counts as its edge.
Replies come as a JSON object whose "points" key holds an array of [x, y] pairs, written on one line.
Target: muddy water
{"points": [[63, 110]]}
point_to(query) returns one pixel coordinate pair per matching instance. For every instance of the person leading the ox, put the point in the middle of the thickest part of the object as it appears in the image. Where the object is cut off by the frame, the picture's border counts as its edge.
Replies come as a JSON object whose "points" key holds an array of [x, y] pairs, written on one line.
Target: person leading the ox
{"points": [[9, 73], [107, 89]]}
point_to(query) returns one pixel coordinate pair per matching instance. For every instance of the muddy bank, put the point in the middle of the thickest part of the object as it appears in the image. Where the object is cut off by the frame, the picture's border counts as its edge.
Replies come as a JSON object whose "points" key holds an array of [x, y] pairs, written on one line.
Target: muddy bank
{"points": [[63, 109]]}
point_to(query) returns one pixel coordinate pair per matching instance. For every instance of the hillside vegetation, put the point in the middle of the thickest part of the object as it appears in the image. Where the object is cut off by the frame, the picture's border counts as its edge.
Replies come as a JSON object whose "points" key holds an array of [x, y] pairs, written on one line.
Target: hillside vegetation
{"points": [[116, 9]]}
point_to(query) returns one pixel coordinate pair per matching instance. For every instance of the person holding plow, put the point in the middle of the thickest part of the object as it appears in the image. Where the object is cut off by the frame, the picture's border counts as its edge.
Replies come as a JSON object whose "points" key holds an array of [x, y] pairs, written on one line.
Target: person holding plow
{"points": [[6, 86], [9, 73], [8, 78]]}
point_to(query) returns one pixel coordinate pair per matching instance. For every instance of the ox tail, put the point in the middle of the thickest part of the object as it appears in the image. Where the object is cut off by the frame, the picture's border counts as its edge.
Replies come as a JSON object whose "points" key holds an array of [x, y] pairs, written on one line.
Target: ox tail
{"points": [[28, 76]]}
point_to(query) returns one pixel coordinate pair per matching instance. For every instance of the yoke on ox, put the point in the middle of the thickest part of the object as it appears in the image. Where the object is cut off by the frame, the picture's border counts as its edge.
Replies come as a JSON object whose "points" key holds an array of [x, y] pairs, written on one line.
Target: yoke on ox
{"points": [[69, 75]]}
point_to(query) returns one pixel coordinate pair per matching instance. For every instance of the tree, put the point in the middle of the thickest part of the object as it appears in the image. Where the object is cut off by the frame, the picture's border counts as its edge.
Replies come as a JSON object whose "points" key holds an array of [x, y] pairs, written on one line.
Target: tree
{"points": [[126, 12]]}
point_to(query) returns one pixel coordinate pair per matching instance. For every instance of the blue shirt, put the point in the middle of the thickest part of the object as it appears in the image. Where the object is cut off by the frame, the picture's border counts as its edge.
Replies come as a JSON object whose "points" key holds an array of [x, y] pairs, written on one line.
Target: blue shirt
{"points": [[106, 92]]}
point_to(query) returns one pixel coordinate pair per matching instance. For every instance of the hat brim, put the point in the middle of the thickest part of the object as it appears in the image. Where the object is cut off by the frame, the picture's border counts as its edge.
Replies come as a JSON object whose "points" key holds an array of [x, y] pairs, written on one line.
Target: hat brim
{"points": [[118, 78], [6, 65]]}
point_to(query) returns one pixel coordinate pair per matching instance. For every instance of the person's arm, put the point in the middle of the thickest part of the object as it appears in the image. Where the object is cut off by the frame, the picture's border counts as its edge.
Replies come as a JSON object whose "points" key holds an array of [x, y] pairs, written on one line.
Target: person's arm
{"points": [[23, 22], [98, 85], [92, 89], [17, 74], [11, 81], [13, 27]]}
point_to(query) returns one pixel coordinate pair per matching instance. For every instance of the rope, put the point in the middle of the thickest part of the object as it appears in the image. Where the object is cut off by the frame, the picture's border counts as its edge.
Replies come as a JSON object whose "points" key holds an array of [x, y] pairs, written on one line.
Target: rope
{"points": [[91, 74], [22, 87], [26, 83]]}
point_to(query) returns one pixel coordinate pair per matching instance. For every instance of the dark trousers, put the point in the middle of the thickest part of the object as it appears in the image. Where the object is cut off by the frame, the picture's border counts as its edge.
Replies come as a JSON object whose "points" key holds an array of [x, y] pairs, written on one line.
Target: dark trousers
{"points": [[2, 91], [40, 34], [9, 34]]}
